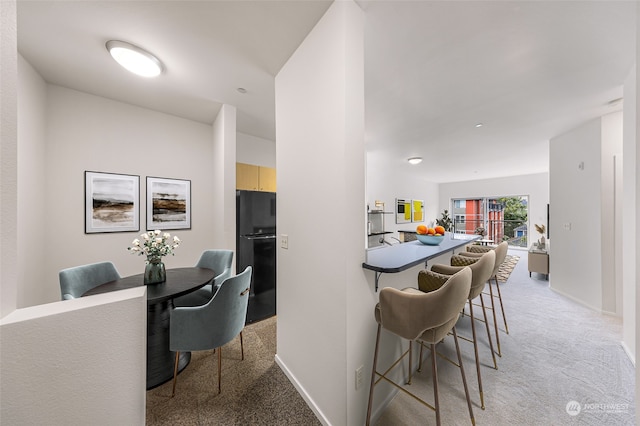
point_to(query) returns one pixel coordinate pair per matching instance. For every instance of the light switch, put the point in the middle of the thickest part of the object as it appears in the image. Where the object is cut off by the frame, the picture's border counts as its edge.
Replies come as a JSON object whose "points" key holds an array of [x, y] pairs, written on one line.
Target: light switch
{"points": [[284, 241]]}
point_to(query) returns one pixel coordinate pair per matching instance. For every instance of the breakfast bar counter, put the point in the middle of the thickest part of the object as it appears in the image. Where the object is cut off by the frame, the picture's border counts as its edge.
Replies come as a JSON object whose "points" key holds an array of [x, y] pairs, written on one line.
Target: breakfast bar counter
{"points": [[399, 257]]}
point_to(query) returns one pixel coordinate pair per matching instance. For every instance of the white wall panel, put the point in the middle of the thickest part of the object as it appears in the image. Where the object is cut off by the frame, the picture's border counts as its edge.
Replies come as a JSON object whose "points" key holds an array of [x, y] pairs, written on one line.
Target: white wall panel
{"points": [[323, 297], [80, 361]]}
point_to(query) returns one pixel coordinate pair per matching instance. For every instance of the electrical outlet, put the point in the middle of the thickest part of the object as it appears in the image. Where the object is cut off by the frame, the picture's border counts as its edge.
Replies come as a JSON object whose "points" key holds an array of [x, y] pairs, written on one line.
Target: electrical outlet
{"points": [[284, 241], [359, 374], [567, 226]]}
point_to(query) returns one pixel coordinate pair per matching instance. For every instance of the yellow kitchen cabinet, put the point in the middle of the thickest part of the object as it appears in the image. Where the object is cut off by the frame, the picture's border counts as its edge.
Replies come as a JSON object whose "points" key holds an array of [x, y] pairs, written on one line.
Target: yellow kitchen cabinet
{"points": [[246, 177], [267, 179], [255, 178]]}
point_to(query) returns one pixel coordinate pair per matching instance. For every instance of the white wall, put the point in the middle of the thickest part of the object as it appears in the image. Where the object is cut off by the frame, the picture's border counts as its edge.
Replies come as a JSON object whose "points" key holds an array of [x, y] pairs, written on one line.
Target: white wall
{"points": [[91, 350], [535, 186], [32, 167], [255, 150], [632, 212], [581, 182], [629, 213], [575, 214], [62, 365], [222, 216], [8, 158], [325, 304], [611, 236], [86, 132], [386, 185]]}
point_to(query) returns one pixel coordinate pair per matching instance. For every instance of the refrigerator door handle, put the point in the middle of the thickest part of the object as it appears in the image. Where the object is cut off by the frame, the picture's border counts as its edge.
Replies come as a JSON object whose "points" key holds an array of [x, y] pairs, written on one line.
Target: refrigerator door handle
{"points": [[259, 237]]}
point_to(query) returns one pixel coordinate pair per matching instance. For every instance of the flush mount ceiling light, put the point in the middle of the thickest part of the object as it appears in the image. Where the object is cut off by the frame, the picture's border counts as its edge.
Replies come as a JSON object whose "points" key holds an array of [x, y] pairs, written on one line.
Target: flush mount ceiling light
{"points": [[415, 160], [134, 59], [478, 125]]}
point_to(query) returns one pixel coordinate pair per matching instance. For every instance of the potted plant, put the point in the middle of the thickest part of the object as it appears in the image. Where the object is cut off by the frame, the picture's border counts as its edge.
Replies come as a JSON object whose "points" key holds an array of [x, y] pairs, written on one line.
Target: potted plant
{"points": [[445, 221]]}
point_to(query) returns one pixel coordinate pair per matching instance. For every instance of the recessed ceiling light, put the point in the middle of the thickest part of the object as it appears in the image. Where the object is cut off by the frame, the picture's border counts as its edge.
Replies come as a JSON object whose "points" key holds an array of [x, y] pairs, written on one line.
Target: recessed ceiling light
{"points": [[134, 59], [241, 90], [479, 125], [415, 160]]}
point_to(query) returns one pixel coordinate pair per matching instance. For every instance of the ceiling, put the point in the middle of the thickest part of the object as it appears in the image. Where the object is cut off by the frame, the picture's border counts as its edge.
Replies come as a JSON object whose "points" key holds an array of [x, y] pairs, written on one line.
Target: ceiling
{"points": [[527, 70]]}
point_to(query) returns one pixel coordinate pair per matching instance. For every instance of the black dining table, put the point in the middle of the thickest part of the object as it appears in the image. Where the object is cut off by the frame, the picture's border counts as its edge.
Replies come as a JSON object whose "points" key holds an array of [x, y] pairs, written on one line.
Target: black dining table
{"points": [[180, 281]]}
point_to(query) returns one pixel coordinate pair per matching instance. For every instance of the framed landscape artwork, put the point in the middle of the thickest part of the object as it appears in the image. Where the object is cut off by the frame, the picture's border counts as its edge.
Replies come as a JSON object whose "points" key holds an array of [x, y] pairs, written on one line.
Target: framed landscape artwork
{"points": [[168, 203], [112, 202]]}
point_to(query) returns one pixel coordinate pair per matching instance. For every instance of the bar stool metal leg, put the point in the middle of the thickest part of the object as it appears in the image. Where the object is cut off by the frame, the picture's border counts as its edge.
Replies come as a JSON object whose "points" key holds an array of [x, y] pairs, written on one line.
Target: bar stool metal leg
{"points": [[410, 359], [486, 323], [373, 376], [434, 369], [464, 379], [495, 320], [475, 350], [504, 318]]}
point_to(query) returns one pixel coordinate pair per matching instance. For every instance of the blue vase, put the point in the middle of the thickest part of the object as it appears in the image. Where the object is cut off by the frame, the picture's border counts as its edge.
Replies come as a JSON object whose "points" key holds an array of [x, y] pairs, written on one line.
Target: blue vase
{"points": [[154, 272]]}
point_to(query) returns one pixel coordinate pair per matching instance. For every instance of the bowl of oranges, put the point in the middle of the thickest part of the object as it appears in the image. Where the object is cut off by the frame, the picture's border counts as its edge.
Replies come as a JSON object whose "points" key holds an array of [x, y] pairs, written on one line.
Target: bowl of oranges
{"points": [[430, 236]]}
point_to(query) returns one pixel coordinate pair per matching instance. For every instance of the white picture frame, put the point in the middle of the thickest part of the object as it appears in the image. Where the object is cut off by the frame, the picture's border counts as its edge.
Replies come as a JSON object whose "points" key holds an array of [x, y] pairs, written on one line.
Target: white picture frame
{"points": [[112, 202], [168, 203]]}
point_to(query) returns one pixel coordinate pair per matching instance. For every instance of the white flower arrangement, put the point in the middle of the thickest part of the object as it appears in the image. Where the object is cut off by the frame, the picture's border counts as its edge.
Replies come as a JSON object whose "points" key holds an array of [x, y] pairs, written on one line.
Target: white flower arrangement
{"points": [[154, 245]]}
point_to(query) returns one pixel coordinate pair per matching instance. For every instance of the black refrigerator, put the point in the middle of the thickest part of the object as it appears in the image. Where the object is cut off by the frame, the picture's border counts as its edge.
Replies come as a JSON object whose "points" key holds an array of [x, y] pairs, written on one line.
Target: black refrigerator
{"points": [[256, 247]]}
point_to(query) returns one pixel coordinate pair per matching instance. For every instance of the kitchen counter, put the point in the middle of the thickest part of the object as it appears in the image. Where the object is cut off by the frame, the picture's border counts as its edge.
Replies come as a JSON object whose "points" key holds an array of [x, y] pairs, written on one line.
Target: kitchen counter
{"points": [[399, 257]]}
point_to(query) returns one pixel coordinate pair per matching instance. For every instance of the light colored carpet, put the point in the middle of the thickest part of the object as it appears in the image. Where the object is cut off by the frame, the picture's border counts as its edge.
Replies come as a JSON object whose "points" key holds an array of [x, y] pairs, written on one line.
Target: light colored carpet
{"points": [[558, 354], [254, 391]]}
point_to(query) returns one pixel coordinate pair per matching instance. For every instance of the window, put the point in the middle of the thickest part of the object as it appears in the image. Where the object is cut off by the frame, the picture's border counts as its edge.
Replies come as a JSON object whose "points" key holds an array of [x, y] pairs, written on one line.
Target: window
{"points": [[497, 218]]}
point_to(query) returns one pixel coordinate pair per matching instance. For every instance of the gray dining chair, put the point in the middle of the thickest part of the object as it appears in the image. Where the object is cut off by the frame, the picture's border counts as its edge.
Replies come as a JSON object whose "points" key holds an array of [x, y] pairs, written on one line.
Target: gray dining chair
{"points": [[212, 325], [220, 262], [75, 281]]}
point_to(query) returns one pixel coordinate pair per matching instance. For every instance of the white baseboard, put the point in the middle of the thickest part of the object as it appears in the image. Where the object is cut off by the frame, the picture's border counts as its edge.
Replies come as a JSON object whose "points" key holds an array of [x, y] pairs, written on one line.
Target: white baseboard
{"points": [[629, 353], [613, 314], [575, 299], [302, 392], [376, 413]]}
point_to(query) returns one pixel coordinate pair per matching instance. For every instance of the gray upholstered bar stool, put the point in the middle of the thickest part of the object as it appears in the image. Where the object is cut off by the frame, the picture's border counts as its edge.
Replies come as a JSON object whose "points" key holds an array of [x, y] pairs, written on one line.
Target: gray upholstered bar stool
{"points": [[425, 318], [501, 254], [481, 269]]}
